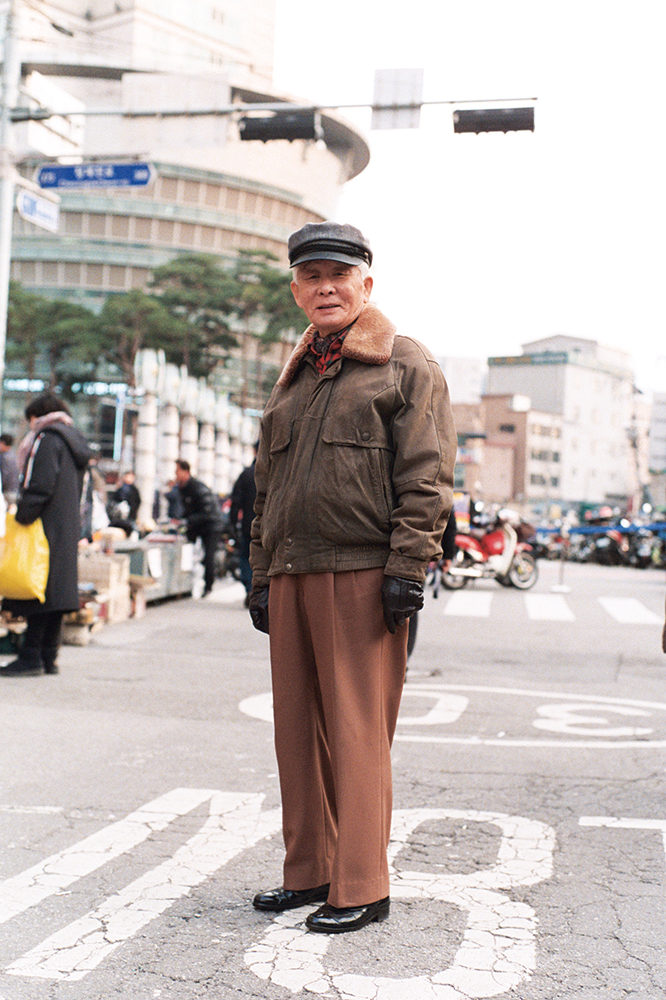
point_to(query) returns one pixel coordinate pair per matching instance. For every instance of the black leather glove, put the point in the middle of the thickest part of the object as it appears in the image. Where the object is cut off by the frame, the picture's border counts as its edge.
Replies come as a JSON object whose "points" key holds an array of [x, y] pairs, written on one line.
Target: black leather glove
{"points": [[400, 599], [258, 605]]}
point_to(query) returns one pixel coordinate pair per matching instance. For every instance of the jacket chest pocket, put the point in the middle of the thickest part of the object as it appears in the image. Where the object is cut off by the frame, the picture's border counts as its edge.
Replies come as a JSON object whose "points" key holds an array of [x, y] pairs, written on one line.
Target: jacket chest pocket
{"points": [[353, 419]]}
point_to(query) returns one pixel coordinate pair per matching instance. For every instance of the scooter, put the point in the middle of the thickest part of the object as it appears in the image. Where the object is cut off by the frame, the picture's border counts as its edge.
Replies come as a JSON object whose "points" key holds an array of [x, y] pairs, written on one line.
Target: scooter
{"points": [[496, 555]]}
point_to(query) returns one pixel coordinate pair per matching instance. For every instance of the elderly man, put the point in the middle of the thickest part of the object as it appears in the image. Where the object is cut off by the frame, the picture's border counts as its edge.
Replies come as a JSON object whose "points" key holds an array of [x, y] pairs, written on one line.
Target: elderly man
{"points": [[354, 475]]}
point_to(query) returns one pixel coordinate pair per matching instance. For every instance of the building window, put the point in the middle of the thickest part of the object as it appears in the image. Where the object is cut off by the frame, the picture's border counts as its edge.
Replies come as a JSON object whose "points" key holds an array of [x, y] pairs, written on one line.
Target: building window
{"points": [[187, 231], [168, 188], [142, 228], [507, 428], [120, 226], [191, 192], [50, 273], [116, 276], [139, 277], [72, 222], [233, 199], [164, 231], [212, 195], [97, 225], [208, 236], [94, 275]]}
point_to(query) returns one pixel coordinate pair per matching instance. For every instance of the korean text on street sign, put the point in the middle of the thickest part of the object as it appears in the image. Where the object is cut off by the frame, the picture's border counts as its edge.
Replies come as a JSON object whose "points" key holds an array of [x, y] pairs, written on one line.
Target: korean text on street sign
{"points": [[95, 175]]}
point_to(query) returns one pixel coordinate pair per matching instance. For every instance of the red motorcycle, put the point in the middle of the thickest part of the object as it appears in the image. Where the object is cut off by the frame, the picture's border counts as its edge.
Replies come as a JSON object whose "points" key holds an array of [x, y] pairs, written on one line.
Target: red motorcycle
{"points": [[498, 554]]}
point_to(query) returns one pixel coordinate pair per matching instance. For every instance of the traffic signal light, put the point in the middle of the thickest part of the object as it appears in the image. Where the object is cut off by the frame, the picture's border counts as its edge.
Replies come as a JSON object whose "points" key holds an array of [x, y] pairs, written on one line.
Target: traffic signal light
{"points": [[494, 120], [288, 125]]}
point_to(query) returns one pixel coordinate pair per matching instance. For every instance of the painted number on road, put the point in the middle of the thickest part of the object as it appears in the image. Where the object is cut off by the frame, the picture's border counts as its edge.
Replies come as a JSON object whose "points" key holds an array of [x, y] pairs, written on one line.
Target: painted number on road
{"points": [[497, 951]]}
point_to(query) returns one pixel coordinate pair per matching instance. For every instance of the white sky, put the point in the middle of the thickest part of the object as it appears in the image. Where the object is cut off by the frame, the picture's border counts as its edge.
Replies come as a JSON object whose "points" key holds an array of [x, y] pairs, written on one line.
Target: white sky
{"points": [[483, 243]]}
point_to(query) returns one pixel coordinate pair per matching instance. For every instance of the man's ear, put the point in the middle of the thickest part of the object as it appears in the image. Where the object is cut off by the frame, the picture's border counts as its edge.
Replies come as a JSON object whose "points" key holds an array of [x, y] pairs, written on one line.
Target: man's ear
{"points": [[294, 292]]}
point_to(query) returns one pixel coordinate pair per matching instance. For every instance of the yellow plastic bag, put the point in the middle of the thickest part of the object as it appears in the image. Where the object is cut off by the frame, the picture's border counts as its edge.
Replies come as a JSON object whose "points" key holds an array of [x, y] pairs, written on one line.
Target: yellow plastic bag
{"points": [[24, 565]]}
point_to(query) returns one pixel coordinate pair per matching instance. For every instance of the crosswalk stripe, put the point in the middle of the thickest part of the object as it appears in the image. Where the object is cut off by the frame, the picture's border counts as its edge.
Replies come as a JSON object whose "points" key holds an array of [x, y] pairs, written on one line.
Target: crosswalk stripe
{"points": [[30, 887], [469, 604], [629, 611], [235, 823], [548, 607]]}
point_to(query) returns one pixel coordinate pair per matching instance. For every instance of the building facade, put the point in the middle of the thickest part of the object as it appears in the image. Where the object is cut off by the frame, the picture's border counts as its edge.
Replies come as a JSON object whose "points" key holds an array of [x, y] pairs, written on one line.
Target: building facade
{"points": [[142, 81], [602, 420]]}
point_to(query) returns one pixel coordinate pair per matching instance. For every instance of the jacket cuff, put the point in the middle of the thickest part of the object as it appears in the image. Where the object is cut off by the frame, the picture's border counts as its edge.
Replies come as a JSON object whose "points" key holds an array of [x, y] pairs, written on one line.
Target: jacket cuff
{"points": [[406, 568]]}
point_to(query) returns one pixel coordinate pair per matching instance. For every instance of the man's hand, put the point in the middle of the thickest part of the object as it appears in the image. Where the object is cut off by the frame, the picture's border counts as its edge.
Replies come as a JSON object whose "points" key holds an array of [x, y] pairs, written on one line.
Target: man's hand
{"points": [[258, 605], [400, 600]]}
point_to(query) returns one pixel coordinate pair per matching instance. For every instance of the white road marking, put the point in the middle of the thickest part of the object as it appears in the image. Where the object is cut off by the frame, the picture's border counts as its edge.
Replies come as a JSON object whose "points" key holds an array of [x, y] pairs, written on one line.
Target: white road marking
{"points": [[469, 604], [567, 719], [626, 824], [235, 824], [548, 607], [448, 707], [447, 712], [54, 874], [497, 951], [629, 611]]}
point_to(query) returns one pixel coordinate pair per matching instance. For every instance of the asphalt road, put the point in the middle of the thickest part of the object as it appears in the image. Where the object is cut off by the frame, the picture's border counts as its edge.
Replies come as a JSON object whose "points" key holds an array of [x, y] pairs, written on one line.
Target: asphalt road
{"points": [[140, 811]]}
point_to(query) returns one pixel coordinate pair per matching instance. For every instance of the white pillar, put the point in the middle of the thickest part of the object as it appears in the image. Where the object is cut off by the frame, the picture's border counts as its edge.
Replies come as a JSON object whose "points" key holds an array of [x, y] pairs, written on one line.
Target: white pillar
{"points": [[146, 456], [189, 425], [149, 375], [221, 473], [168, 427], [169, 443], [206, 405], [235, 443]]}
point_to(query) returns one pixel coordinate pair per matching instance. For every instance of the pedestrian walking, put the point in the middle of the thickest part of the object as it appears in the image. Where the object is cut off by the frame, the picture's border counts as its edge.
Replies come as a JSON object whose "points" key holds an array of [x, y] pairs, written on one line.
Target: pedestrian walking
{"points": [[202, 517], [354, 487], [53, 458]]}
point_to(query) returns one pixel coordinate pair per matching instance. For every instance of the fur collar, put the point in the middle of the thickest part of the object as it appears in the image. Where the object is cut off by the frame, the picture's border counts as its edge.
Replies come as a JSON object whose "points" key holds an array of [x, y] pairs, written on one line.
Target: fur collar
{"points": [[370, 340]]}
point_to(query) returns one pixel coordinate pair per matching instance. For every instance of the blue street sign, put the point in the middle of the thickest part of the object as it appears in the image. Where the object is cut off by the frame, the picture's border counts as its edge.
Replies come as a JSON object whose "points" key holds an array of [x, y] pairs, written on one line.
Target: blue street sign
{"points": [[95, 175], [39, 211]]}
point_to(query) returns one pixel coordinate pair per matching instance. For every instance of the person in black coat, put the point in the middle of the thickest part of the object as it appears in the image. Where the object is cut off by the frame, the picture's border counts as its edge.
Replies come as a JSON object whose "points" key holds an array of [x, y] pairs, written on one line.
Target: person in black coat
{"points": [[241, 516], [53, 458], [202, 516]]}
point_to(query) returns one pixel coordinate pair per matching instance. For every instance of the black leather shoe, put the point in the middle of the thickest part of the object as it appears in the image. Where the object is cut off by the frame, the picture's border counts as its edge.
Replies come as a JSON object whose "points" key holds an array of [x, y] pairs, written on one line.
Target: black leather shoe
{"points": [[288, 899], [338, 919]]}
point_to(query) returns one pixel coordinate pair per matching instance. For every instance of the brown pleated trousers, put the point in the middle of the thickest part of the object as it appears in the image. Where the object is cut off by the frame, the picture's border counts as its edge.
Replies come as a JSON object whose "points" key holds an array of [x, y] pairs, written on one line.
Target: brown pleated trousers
{"points": [[337, 676]]}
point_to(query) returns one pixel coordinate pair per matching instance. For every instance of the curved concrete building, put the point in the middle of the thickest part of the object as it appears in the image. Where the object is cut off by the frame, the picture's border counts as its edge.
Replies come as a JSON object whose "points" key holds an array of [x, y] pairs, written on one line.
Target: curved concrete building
{"points": [[211, 191]]}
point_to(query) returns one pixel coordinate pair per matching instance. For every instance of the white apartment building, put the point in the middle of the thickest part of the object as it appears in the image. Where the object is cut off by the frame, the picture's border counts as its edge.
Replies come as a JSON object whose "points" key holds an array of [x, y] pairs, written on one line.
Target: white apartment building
{"points": [[602, 451]]}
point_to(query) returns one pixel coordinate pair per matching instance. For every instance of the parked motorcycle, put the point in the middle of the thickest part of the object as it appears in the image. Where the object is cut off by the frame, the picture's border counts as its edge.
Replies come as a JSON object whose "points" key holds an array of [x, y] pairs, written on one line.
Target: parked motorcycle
{"points": [[498, 554], [227, 557]]}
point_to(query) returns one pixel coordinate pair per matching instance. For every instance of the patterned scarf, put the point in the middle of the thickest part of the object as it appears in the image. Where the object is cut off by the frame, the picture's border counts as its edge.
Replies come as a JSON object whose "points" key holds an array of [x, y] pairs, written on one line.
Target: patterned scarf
{"points": [[328, 349], [57, 416]]}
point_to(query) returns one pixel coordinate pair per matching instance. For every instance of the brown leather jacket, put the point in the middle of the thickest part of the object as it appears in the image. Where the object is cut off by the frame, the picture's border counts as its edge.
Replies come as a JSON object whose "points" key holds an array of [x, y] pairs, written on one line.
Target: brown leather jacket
{"points": [[355, 466]]}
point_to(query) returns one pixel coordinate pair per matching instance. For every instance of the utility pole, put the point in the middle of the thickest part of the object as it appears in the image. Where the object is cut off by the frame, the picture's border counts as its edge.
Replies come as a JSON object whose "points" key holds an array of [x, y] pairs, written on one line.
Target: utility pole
{"points": [[8, 100]]}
